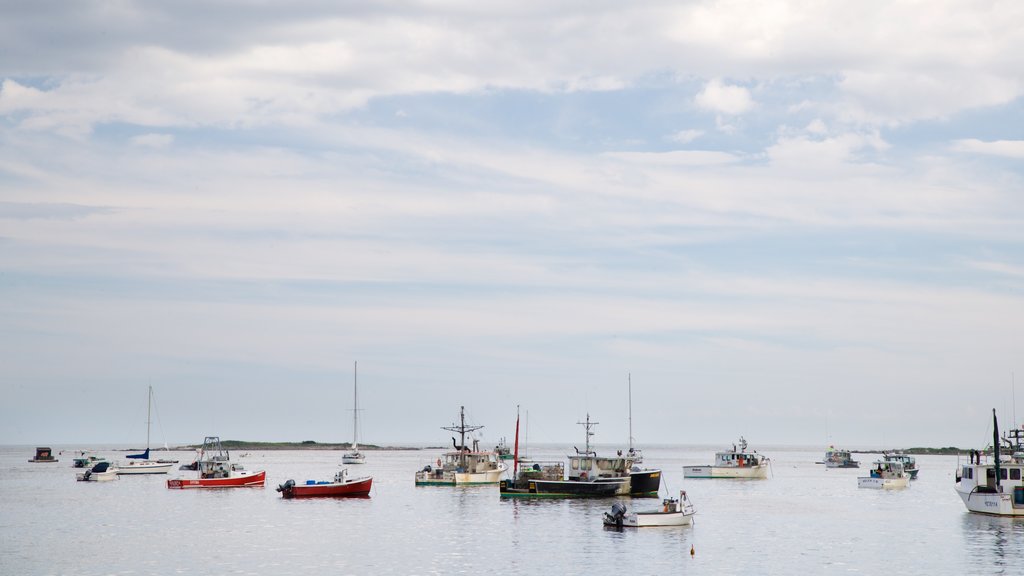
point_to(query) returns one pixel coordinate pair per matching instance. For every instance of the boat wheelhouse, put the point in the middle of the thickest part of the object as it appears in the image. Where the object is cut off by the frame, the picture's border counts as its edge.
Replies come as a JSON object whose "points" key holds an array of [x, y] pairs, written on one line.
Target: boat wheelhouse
{"points": [[44, 454], [836, 458], [736, 463], [885, 474], [217, 471], [908, 462], [995, 487], [463, 465]]}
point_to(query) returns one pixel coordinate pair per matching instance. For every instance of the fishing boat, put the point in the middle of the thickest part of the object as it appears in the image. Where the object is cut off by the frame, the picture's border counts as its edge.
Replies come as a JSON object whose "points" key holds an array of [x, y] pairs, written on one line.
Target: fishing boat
{"points": [[673, 512], [463, 465], [589, 476], [836, 458], [101, 472], [908, 462], [736, 463], [86, 460], [44, 454], [354, 456], [341, 487], [140, 463], [503, 451], [885, 474], [217, 471], [995, 488]]}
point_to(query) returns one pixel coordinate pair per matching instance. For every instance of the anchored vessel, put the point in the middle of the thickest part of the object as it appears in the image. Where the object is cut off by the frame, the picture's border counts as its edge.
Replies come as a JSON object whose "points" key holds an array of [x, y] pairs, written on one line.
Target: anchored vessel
{"points": [[101, 472], [885, 474], [86, 460], [341, 487], [735, 463], [673, 512], [43, 454], [908, 462], [836, 458], [217, 471], [140, 463], [995, 487], [463, 465], [589, 475], [355, 456]]}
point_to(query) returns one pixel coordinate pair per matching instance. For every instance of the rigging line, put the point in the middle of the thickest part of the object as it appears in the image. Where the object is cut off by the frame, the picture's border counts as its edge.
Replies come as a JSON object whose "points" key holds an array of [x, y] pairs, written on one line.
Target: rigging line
{"points": [[159, 422]]}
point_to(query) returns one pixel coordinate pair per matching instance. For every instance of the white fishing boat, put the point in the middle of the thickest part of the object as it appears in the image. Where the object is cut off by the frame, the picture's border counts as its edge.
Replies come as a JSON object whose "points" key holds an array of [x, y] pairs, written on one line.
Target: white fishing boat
{"points": [[736, 463], [885, 474], [996, 487], [908, 462], [463, 465], [140, 463], [836, 458], [100, 472], [673, 512], [354, 456]]}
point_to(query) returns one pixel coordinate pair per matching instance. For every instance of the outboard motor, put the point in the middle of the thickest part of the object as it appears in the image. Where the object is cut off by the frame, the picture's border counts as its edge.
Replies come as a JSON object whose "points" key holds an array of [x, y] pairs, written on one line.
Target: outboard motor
{"points": [[287, 486], [428, 469], [616, 515]]}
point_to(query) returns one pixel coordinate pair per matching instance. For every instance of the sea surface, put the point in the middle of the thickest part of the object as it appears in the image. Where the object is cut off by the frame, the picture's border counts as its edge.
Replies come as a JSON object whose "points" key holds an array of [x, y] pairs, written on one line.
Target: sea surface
{"points": [[804, 519]]}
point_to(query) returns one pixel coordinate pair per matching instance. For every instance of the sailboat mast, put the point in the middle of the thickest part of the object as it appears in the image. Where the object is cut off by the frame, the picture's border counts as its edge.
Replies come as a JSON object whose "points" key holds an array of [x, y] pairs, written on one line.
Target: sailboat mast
{"points": [[630, 379], [355, 406], [149, 419]]}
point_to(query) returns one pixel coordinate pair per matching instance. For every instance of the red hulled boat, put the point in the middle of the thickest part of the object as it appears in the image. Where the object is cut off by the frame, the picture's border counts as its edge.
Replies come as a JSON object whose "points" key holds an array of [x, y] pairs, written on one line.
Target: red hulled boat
{"points": [[217, 471], [341, 487]]}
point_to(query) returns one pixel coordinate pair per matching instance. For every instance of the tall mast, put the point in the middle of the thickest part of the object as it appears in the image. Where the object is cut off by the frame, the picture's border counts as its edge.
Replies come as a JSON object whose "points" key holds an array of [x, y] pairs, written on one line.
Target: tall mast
{"points": [[995, 446], [355, 406], [462, 429], [149, 410], [588, 425], [630, 377]]}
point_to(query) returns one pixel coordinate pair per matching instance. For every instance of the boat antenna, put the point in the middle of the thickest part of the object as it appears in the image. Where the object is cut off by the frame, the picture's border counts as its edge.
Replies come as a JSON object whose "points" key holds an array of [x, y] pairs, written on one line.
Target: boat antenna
{"points": [[588, 425], [462, 429], [1013, 390], [149, 416]]}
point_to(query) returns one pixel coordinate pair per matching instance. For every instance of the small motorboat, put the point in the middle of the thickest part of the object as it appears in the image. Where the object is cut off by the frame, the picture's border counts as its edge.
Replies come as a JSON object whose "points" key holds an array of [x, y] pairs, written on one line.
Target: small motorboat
{"points": [[101, 472], [673, 512], [341, 487]]}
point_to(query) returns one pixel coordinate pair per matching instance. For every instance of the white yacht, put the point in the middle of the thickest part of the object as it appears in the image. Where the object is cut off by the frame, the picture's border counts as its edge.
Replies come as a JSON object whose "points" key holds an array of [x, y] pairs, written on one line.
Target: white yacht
{"points": [[994, 487], [354, 456], [735, 463]]}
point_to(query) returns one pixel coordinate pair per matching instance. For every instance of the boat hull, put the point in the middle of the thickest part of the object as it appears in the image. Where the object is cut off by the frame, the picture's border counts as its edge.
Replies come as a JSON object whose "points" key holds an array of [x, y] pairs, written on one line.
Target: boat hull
{"points": [[358, 488], [883, 483], [96, 476], [563, 489], [145, 467], [351, 459], [994, 503], [748, 472], [652, 519], [645, 483], [254, 480]]}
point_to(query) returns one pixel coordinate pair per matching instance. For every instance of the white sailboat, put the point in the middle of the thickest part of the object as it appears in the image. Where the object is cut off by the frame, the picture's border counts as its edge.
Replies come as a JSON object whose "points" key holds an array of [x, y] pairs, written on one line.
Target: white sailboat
{"points": [[140, 463], [354, 456]]}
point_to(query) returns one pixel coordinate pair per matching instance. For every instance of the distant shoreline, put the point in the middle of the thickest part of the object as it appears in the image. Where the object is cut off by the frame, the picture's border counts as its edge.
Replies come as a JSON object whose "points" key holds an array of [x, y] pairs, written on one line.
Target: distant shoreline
{"points": [[920, 451]]}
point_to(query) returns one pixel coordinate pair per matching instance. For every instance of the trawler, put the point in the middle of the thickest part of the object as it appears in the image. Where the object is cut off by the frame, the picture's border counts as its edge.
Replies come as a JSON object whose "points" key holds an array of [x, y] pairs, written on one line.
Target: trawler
{"points": [[995, 487], [735, 463], [463, 465]]}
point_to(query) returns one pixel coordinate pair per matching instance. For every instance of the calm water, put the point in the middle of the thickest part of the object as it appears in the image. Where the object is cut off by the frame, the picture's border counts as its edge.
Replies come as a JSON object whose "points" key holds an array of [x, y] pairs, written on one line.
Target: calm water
{"points": [[802, 520]]}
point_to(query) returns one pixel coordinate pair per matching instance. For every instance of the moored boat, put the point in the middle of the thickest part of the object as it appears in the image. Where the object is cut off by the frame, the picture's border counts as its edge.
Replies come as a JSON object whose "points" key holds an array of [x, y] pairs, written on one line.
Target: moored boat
{"points": [[735, 463], [354, 456], [341, 487], [43, 454], [995, 488], [140, 463], [100, 472], [463, 465], [217, 471], [836, 458], [908, 462], [885, 474], [86, 460], [673, 512]]}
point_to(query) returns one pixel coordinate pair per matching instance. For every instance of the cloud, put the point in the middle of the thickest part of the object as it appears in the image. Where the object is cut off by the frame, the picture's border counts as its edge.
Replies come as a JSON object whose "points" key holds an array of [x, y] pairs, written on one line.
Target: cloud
{"points": [[1005, 148], [686, 136], [153, 140], [724, 98]]}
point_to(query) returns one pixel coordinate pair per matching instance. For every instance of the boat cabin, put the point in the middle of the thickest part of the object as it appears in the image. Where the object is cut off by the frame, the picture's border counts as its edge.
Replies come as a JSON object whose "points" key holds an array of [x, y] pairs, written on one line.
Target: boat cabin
{"points": [[43, 454], [981, 478], [886, 469], [909, 463], [589, 466], [469, 462]]}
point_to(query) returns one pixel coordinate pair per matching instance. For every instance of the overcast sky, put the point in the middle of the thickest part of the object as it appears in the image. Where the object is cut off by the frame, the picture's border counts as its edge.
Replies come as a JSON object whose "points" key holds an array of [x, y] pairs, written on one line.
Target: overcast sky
{"points": [[802, 222]]}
